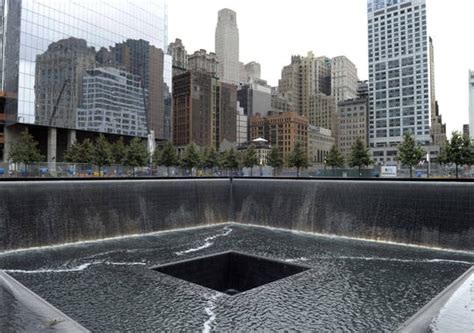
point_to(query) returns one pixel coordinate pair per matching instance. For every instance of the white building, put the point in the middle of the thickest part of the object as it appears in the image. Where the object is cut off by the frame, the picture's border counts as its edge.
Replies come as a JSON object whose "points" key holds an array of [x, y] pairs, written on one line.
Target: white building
{"points": [[320, 142], [344, 80], [227, 46], [471, 104], [399, 75], [112, 102]]}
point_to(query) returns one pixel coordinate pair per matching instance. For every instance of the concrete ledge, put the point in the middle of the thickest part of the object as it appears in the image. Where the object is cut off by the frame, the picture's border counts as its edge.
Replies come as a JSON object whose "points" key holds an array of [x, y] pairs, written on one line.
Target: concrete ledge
{"points": [[443, 310], [21, 310]]}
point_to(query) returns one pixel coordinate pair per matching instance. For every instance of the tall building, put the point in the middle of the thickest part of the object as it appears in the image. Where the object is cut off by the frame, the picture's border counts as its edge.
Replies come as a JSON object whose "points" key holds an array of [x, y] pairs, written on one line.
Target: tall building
{"points": [[178, 53], [121, 107], [203, 61], [399, 75], [305, 86], [281, 130], [41, 86], [471, 104], [227, 46], [438, 129], [352, 124], [465, 130], [255, 98], [204, 110], [344, 78]]}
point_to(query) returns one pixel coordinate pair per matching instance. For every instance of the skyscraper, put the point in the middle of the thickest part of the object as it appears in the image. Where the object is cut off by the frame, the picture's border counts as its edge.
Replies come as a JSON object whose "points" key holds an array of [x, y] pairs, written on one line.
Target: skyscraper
{"points": [[343, 78], [399, 75], [227, 46]]}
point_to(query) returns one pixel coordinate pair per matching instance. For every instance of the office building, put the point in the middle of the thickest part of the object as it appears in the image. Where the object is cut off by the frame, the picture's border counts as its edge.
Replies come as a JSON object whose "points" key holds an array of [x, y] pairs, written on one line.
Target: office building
{"points": [[204, 62], [352, 124], [253, 71], [399, 75], [204, 111], [121, 108], [281, 130], [242, 125], [227, 46], [320, 142], [255, 98], [344, 80], [47, 54], [179, 56]]}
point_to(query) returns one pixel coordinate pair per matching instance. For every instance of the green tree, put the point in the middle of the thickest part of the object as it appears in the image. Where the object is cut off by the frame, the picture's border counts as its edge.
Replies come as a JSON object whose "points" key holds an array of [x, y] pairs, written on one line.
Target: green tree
{"points": [[210, 158], [275, 160], [458, 151], [73, 153], [25, 150], [137, 154], [334, 159], [409, 153], [230, 160], [86, 152], [298, 158], [169, 157], [102, 153], [119, 151], [250, 159], [360, 156], [191, 157]]}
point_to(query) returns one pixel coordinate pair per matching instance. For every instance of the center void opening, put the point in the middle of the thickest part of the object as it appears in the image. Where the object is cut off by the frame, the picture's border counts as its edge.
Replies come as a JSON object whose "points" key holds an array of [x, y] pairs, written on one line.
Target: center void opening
{"points": [[231, 272]]}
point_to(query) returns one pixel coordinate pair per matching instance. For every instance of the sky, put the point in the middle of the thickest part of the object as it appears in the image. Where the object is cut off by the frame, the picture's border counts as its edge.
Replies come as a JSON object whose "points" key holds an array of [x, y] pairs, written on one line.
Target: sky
{"points": [[271, 31]]}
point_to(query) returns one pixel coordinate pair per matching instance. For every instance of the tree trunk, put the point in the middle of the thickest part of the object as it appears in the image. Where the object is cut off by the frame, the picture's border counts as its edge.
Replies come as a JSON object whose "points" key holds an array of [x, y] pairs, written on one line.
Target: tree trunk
{"points": [[457, 171], [251, 171], [167, 171], [411, 172], [359, 171], [333, 171], [298, 172]]}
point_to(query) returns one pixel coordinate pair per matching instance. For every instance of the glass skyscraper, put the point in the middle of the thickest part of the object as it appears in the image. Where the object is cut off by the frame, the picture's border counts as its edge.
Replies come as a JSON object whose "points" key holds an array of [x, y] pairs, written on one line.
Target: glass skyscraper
{"points": [[51, 49], [399, 75]]}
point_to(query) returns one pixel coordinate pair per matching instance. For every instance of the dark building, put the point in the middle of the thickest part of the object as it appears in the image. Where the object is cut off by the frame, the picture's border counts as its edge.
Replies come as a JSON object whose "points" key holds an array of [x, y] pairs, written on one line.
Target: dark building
{"points": [[204, 110]]}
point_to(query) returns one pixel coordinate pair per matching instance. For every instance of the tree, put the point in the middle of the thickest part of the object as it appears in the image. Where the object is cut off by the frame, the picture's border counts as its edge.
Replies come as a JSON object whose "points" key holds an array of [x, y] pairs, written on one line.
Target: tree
{"points": [[191, 157], [25, 150], [230, 160], [334, 159], [298, 158], [274, 159], [409, 154], [169, 157], [119, 151], [137, 154], [102, 153], [86, 152], [359, 156], [73, 153], [210, 158], [459, 151], [250, 158]]}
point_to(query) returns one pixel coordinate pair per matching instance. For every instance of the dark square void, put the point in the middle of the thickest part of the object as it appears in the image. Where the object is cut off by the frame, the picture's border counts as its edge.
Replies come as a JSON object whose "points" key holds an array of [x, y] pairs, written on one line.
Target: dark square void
{"points": [[231, 272]]}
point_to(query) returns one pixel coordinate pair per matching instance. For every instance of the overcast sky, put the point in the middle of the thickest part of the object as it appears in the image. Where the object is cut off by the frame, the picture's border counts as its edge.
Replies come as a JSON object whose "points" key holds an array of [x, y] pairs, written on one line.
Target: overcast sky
{"points": [[273, 30]]}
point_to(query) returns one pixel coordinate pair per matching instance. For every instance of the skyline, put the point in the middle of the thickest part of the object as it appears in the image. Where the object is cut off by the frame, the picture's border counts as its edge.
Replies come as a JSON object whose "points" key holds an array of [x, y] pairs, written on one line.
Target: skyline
{"points": [[265, 40]]}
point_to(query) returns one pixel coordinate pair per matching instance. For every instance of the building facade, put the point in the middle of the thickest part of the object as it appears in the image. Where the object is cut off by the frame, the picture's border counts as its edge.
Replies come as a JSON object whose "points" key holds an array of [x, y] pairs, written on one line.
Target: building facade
{"points": [[121, 108], [344, 79], [320, 142], [255, 98], [399, 75], [227, 46], [242, 125], [131, 37], [204, 62], [253, 71], [281, 130], [179, 56], [204, 111], [352, 124]]}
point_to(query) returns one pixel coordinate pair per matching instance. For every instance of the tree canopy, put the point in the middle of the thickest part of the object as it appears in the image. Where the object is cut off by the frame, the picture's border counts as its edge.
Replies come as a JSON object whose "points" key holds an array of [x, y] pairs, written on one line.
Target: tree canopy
{"points": [[191, 157], [25, 150], [137, 154], [102, 152], [409, 153], [298, 157], [360, 156], [334, 158], [458, 151], [274, 158]]}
